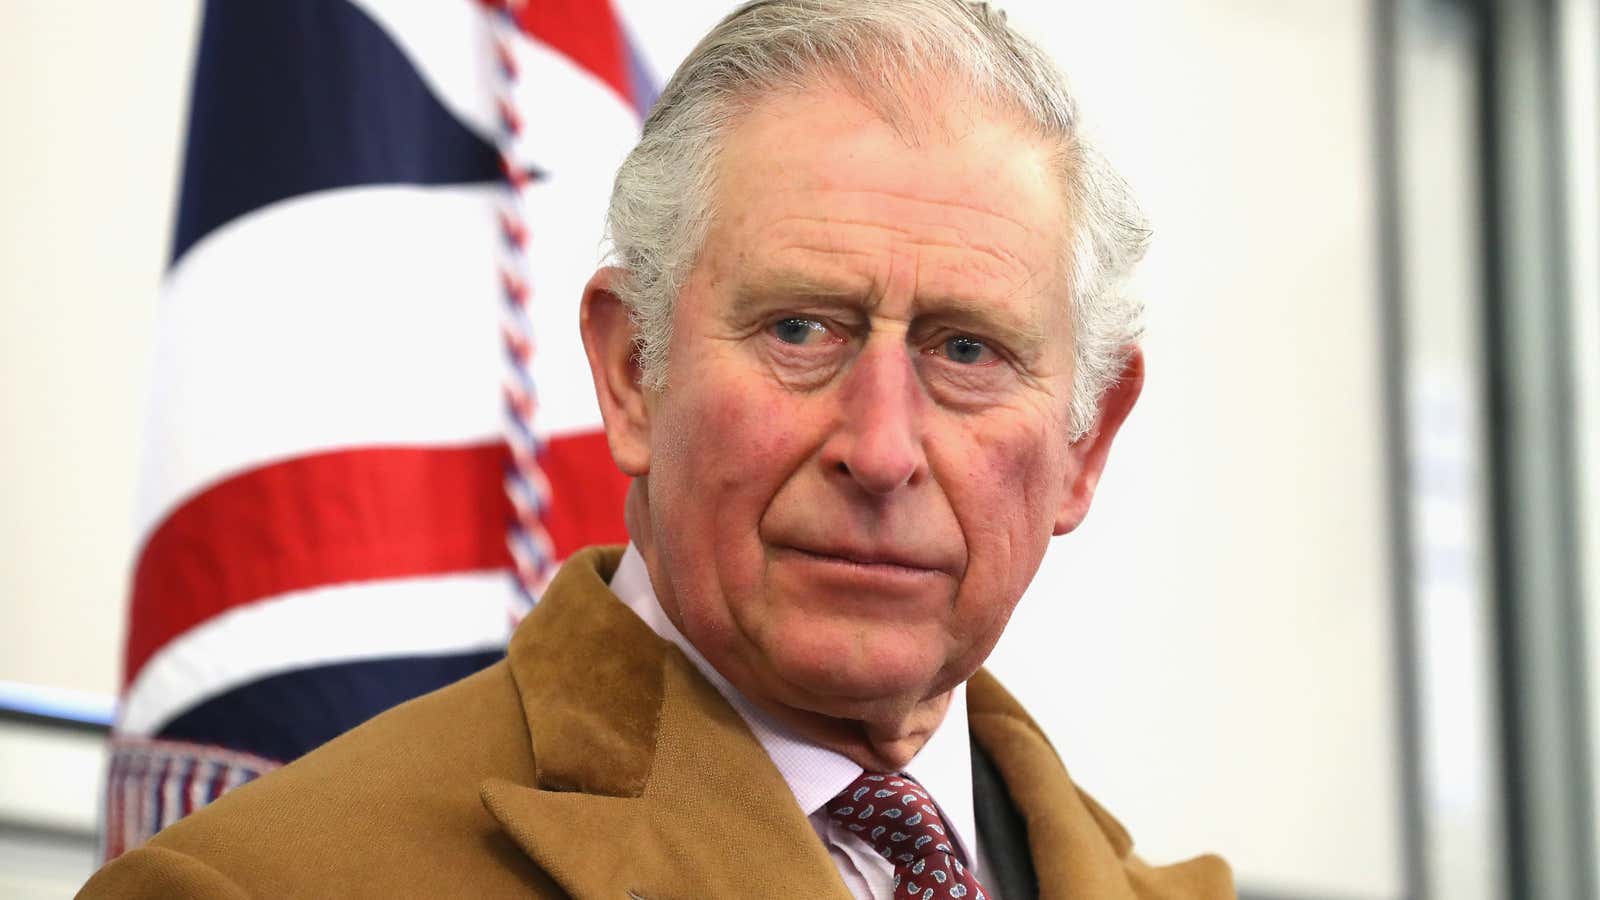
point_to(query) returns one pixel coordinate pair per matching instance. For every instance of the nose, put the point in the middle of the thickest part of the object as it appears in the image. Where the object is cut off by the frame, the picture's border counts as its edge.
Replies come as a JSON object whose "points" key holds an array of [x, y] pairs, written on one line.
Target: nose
{"points": [[879, 440]]}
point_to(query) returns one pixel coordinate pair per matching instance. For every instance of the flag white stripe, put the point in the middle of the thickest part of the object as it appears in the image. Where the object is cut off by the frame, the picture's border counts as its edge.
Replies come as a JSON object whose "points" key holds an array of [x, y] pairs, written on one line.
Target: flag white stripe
{"points": [[384, 330], [576, 121], [426, 616], [576, 127]]}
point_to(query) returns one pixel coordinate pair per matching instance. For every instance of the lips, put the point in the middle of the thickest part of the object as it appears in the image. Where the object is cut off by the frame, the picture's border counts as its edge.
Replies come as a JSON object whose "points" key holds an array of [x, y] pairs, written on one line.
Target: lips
{"points": [[880, 557]]}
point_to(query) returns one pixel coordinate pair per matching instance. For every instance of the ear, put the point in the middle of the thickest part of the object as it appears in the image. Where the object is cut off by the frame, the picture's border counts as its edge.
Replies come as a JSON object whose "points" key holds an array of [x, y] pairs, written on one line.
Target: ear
{"points": [[608, 340], [1088, 453]]}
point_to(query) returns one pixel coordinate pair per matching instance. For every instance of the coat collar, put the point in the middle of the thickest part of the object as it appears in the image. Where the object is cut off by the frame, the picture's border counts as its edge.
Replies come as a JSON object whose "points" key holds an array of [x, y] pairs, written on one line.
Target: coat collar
{"points": [[1078, 849], [650, 785], [648, 782]]}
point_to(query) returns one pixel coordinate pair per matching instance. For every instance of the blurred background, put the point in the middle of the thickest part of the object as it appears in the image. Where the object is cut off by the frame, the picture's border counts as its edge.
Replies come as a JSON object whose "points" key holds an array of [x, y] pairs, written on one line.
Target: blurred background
{"points": [[1336, 614]]}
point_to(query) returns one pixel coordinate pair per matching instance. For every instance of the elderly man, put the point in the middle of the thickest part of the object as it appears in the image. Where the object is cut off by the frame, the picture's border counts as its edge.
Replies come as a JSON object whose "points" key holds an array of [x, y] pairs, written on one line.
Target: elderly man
{"points": [[863, 352]]}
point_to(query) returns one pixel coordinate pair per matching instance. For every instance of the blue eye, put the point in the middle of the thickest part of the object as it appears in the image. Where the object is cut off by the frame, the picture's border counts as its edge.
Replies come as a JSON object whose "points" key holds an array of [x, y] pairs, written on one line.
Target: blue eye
{"points": [[965, 350], [797, 331]]}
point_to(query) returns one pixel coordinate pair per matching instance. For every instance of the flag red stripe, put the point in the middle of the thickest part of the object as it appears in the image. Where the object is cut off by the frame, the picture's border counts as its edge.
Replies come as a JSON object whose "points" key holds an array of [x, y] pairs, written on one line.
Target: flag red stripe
{"points": [[584, 31], [355, 515]]}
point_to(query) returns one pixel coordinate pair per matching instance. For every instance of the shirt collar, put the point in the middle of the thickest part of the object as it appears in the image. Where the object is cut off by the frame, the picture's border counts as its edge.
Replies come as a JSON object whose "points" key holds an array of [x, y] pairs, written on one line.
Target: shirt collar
{"points": [[814, 773]]}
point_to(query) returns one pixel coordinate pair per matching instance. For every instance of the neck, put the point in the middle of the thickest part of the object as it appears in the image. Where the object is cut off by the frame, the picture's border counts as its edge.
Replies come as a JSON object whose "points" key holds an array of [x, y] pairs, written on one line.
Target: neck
{"points": [[877, 745]]}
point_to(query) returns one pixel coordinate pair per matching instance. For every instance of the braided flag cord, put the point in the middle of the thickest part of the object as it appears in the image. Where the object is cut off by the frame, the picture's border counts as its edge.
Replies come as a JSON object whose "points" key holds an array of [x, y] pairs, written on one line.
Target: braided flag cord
{"points": [[323, 508], [532, 551]]}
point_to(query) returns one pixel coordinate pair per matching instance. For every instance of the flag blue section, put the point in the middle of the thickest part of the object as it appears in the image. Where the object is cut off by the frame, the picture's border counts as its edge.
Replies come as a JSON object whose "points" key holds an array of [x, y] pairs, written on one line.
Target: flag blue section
{"points": [[286, 715], [295, 96], [643, 84]]}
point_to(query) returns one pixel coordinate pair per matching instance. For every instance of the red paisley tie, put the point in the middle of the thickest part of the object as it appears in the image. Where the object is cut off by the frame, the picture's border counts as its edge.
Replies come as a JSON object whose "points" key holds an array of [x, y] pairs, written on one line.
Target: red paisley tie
{"points": [[897, 818]]}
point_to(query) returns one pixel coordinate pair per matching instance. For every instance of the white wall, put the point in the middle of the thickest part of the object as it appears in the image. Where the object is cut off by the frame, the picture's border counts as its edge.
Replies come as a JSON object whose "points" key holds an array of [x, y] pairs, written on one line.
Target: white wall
{"points": [[1214, 651], [1211, 652], [93, 96]]}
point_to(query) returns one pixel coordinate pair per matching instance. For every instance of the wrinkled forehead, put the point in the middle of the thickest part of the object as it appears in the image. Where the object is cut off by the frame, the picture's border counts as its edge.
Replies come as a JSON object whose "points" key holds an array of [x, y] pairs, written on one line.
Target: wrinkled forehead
{"points": [[822, 151], [927, 108], [819, 195]]}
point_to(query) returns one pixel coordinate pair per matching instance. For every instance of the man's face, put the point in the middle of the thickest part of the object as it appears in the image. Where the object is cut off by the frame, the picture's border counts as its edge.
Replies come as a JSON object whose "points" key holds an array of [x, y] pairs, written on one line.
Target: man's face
{"points": [[863, 447]]}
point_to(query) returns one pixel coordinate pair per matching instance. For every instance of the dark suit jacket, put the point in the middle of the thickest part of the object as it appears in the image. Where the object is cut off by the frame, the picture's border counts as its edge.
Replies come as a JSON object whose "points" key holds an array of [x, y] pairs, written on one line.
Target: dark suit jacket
{"points": [[593, 762]]}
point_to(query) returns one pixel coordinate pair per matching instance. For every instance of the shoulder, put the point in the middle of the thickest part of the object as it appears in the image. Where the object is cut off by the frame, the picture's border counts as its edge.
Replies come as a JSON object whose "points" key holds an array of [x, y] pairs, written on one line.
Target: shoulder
{"points": [[1203, 877], [1074, 839], [392, 808], [1206, 877], [156, 872]]}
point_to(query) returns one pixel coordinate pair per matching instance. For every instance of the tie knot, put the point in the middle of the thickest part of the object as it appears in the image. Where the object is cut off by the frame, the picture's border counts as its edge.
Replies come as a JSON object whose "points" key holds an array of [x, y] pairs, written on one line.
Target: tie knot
{"points": [[894, 815]]}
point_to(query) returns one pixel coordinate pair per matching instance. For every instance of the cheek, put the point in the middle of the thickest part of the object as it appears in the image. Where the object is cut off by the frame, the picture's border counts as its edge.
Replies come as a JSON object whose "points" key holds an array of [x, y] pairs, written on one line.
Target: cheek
{"points": [[729, 449], [726, 422], [1015, 479], [682, 464], [1006, 502]]}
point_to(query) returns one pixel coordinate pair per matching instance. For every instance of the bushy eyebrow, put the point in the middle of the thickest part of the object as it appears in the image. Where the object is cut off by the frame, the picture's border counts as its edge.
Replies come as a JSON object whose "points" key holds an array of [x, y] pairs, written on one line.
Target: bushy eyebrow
{"points": [[1027, 339], [763, 291]]}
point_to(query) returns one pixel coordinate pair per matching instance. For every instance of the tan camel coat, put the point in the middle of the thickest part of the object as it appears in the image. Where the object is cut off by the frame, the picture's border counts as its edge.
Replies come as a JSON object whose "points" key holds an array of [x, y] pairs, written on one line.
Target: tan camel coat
{"points": [[593, 762]]}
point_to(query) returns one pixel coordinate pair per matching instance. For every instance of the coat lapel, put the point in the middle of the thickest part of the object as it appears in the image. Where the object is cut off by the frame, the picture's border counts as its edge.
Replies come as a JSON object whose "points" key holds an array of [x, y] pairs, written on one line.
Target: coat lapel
{"points": [[648, 782], [1078, 849], [1076, 846]]}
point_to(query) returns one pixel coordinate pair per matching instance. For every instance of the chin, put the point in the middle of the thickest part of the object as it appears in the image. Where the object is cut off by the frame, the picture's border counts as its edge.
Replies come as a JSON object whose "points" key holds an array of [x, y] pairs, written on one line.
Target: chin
{"points": [[810, 672]]}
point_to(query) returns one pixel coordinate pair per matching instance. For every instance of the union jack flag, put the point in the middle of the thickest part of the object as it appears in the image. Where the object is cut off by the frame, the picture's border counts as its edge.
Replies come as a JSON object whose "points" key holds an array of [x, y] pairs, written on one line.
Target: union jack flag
{"points": [[353, 483]]}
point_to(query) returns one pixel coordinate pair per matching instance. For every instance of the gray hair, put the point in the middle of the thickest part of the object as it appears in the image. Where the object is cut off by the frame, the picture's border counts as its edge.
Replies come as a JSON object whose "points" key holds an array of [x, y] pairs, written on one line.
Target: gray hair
{"points": [[661, 205]]}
